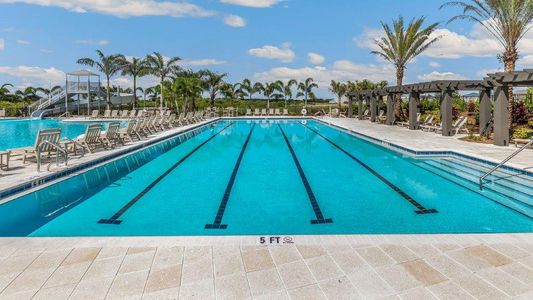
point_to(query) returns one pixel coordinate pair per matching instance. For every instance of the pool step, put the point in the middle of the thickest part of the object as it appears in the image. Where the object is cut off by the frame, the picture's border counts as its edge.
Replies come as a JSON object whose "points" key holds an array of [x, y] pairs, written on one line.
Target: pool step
{"points": [[519, 189], [470, 182], [498, 174]]}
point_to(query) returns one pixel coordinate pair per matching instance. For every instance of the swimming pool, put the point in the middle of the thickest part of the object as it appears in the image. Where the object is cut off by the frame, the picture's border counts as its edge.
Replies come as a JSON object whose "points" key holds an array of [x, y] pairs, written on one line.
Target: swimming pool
{"points": [[236, 177], [22, 133]]}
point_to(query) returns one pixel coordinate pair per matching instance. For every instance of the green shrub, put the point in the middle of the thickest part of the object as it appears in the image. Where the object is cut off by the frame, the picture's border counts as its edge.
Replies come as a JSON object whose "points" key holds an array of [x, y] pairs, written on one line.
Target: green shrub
{"points": [[522, 133]]}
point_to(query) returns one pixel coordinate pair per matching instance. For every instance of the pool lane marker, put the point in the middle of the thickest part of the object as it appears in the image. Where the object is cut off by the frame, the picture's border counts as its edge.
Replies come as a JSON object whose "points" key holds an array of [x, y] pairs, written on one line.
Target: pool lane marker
{"points": [[217, 224], [314, 203], [115, 218], [420, 209]]}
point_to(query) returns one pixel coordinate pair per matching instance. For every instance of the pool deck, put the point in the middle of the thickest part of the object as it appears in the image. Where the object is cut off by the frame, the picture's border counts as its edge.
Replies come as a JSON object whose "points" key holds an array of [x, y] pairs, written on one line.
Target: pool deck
{"points": [[486, 266], [428, 141], [452, 266]]}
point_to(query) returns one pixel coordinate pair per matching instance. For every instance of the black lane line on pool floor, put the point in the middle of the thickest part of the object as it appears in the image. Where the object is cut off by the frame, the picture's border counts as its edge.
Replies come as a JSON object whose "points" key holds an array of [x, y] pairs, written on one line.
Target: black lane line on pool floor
{"points": [[314, 203], [420, 209], [114, 219], [217, 224]]}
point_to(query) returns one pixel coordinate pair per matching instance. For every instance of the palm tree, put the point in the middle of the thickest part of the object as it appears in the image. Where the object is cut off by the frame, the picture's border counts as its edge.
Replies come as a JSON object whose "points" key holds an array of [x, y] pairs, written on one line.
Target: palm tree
{"points": [[48, 92], [188, 85], [136, 67], [306, 89], [153, 92], [506, 20], [4, 90], [213, 83], [270, 89], [27, 94], [161, 67], [339, 89], [401, 45], [287, 90], [247, 88], [108, 65]]}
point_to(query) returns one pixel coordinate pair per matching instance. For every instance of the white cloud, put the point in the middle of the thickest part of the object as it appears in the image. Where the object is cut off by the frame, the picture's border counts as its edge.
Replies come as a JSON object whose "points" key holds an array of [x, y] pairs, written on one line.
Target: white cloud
{"points": [[483, 73], [201, 62], [440, 76], [234, 21], [252, 3], [526, 60], [124, 8], [92, 42], [23, 42], [452, 45], [47, 51], [284, 54], [315, 58], [2, 44], [34, 76], [342, 70], [434, 64]]}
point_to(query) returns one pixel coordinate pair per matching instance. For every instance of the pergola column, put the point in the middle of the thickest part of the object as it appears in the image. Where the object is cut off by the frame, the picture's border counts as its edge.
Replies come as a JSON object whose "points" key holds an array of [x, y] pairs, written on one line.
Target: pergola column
{"points": [[373, 107], [484, 110], [350, 109], [390, 109], [501, 115], [446, 112], [413, 110], [360, 107]]}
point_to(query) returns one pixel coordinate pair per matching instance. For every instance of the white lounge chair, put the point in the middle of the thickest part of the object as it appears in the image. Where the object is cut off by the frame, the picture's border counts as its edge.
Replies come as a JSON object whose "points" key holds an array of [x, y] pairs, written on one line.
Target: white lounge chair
{"points": [[111, 137], [285, 112], [248, 112], [256, 112], [92, 140], [95, 114], [263, 112], [46, 142]]}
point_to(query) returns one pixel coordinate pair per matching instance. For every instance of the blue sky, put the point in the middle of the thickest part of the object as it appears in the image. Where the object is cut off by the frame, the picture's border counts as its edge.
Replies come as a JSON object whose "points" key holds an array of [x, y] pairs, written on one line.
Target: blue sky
{"points": [[258, 39]]}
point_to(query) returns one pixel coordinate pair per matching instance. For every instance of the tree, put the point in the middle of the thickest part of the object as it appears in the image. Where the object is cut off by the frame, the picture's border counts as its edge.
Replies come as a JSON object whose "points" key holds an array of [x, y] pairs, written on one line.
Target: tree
{"points": [[401, 45], [188, 85], [287, 90], [339, 89], [4, 91], [270, 89], [161, 67], [135, 67], [506, 20], [27, 94], [48, 92], [306, 89], [213, 83], [108, 65]]}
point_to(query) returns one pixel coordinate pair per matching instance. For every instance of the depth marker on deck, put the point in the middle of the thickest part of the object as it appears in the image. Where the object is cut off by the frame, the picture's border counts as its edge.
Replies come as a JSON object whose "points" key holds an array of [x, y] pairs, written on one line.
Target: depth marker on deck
{"points": [[314, 203], [217, 224], [114, 219], [420, 209]]}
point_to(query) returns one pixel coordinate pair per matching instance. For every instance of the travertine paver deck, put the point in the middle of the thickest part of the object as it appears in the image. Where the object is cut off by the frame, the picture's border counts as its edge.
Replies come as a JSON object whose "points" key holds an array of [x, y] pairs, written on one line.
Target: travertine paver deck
{"points": [[315, 267], [429, 141]]}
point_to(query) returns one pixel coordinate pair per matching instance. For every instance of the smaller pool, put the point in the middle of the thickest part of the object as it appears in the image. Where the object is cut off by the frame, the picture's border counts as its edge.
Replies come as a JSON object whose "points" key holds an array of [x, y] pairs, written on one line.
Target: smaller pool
{"points": [[22, 133]]}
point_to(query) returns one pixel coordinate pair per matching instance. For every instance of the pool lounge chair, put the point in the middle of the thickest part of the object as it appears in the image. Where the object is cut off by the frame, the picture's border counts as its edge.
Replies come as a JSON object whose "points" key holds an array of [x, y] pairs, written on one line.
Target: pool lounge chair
{"points": [[107, 114], [406, 124], [277, 112], [94, 114], [46, 142], [125, 114], [111, 136], [522, 142], [133, 112], [285, 112], [91, 140], [458, 126], [248, 112], [4, 160], [256, 112], [114, 114], [128, 133], [270, 111], [263, 112]]}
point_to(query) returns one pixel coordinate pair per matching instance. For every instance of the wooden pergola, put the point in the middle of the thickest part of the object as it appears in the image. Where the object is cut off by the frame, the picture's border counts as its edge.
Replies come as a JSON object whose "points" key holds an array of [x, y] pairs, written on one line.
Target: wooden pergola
{"points": [[497, 84]]}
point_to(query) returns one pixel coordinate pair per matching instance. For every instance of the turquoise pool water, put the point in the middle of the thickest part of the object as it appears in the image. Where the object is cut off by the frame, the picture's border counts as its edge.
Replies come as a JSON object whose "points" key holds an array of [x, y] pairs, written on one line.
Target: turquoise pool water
{"points": [[22, 133], [258, 177]]}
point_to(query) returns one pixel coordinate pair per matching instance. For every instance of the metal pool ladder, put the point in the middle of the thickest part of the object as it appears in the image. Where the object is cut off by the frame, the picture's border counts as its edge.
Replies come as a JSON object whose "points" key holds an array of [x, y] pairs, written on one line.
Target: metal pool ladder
{"points": [[482, 178]]}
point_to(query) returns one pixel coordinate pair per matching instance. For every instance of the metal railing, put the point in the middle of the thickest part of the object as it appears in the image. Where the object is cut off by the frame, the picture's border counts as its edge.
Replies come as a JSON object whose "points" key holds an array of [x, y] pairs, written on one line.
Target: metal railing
{"points": [[59, 150], [482, 178]]}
